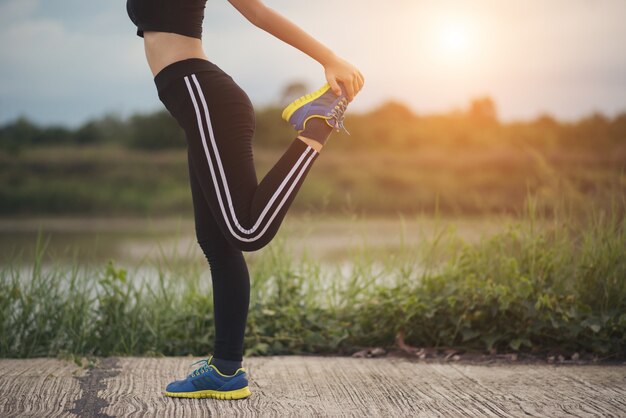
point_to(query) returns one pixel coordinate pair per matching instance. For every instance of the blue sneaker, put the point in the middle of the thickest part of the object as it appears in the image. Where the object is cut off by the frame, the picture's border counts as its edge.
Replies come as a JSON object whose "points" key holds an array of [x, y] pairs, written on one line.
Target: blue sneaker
{"points": [[208, 382], [323, 103]]}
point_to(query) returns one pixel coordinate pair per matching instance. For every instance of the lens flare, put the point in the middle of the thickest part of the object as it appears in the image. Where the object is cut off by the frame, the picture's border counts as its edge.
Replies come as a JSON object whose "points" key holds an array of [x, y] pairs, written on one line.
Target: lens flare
{"points": [[453, 38]]}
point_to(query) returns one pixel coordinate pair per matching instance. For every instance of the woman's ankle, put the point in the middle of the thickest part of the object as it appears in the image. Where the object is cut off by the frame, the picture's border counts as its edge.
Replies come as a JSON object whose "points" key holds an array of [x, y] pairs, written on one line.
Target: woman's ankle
{"points": [[318, 129], [313, 143]]}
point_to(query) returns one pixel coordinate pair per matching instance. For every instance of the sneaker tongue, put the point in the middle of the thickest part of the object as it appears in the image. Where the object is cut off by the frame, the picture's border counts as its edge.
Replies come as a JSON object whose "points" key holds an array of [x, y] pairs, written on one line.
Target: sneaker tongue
{"points": [[203, 367]]}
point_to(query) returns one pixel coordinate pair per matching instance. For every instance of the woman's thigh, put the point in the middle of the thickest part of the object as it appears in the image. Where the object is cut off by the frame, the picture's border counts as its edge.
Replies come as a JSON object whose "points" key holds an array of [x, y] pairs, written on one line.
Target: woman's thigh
{"points": [[207, 229], [218, 119], [229, 123]]}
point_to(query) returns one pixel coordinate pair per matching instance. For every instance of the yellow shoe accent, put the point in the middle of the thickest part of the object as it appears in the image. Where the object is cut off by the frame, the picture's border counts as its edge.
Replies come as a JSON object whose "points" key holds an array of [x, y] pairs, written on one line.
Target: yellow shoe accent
{"points": [[215, 394], [293, 106], [225, 375]]}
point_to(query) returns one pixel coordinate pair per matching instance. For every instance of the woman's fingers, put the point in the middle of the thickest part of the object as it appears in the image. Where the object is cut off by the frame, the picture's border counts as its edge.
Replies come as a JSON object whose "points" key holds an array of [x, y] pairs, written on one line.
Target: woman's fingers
{"points": [[334, 86], [355, 84], [349, 90]]}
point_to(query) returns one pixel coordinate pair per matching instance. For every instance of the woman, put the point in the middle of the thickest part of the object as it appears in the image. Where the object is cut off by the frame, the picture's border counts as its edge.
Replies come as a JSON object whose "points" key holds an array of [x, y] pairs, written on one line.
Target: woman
{"points": [[233, 211]]}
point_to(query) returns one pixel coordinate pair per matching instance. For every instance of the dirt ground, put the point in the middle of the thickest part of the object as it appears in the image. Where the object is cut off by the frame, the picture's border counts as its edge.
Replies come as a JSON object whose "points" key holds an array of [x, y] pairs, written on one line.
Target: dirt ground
{"points": [[316, 386]]}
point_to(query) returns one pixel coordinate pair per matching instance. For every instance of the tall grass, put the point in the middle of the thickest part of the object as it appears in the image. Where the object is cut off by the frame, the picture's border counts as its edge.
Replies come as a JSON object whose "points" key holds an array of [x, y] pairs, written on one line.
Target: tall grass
{"points": [[539, 285]]}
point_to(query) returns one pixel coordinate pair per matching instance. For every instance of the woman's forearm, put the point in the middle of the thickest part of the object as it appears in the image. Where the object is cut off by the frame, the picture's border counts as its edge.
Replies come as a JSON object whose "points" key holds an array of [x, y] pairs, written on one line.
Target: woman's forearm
{"points": [[275, 24], [336, 69]]}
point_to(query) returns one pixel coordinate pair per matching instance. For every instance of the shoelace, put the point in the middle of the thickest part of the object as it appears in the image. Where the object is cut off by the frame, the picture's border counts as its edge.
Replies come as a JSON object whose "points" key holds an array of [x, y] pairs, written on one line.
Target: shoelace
{"points": [[338, 114], [201, 369]]}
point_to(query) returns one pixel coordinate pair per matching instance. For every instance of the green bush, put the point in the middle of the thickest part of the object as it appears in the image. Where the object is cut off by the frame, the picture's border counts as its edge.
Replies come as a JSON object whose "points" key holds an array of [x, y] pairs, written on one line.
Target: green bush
{"points": [[540, 285], [155, 131]]}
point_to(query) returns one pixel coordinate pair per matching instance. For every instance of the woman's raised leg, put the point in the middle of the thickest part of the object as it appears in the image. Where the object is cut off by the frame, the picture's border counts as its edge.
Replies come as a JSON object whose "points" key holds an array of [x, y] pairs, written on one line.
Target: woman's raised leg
{"points": [[218, 119]]}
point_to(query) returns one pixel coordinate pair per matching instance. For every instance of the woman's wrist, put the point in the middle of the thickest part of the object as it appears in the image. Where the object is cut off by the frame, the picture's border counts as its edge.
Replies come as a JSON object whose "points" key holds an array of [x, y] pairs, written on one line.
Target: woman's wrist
{"points": [[327, 58]]}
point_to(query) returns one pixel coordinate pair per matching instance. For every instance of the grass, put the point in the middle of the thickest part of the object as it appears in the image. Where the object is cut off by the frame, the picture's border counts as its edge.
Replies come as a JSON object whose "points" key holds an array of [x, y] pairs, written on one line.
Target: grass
{"points": [[111, 180], [531, 288]]}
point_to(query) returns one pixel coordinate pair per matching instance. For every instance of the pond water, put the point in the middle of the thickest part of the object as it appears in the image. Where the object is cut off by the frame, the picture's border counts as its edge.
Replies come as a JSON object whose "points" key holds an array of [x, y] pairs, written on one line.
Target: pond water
{"points": [[140, 241]]}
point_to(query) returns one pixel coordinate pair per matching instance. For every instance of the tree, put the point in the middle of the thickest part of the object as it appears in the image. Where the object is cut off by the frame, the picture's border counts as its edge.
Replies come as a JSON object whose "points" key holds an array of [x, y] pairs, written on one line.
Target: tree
{"points": [[18, 134], [483, 110], [156, 131], [392, 110], [618, 128], [88, 134], [292, 91]]}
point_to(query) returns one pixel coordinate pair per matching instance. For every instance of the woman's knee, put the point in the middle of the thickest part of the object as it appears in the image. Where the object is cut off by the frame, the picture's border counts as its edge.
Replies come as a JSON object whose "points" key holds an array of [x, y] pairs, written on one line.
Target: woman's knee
{"points": [[216, 250], [252, 245]]}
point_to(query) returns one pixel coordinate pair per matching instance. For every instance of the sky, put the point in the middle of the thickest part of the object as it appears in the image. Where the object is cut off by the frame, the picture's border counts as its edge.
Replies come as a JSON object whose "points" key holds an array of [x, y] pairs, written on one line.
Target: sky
{"points": [[66, 61]]}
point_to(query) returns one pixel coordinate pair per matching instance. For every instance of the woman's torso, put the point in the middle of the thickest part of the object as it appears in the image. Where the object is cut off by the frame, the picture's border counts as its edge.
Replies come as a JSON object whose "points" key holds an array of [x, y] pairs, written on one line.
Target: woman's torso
{"points": [[172, 29], [164, 48]]}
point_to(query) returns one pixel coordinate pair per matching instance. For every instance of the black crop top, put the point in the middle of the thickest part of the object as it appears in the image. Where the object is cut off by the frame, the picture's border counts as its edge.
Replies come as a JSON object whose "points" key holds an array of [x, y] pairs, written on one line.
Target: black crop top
{"points": [[178, 16]]}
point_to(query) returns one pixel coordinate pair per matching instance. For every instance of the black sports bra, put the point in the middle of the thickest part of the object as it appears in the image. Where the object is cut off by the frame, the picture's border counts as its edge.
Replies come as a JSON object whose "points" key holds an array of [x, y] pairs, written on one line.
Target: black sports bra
{"points": [[178, 16]]}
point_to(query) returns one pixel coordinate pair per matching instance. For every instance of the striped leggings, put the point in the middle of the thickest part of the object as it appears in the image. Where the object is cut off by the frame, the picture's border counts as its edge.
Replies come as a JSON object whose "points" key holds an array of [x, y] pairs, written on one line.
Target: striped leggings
{"points": [[233, 211]]}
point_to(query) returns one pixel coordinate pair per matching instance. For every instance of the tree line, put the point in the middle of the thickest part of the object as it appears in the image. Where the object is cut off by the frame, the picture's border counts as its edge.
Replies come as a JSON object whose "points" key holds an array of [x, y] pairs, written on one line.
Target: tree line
{"points": [[392, 124]]}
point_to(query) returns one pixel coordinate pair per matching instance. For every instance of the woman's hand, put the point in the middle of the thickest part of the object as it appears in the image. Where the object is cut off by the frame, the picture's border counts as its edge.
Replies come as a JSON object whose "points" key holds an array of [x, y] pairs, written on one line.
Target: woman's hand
{"points": [[341, 71]]}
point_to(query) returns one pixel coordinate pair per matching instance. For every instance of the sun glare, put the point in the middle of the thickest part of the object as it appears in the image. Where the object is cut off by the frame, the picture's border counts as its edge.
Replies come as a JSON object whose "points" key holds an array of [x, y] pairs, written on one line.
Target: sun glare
{"points": [[453, 38]]}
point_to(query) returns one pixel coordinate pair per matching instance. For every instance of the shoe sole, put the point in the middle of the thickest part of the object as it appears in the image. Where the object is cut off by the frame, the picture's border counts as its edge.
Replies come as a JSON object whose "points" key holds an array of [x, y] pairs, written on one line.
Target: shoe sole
{"points": [[215, 394], [301, 101]]}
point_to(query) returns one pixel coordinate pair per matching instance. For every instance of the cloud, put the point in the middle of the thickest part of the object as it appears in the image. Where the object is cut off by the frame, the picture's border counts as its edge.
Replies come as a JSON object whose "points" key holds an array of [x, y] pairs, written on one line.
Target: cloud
{"points": [[67, 60], [11, 10], [49, 62]]}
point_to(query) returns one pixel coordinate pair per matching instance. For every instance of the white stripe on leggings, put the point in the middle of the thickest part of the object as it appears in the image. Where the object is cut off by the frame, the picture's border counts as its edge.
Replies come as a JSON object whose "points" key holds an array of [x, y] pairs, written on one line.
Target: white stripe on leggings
{"points": [[223, 177]]}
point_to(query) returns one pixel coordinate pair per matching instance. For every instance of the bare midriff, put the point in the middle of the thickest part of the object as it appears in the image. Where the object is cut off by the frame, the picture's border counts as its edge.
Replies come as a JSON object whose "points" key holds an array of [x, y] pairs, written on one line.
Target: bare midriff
{"points": [[164, 48]]}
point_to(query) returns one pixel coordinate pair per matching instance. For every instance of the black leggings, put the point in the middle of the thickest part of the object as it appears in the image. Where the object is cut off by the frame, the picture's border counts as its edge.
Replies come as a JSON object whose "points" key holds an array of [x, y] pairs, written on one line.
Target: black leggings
{"points": [[233, 211]]}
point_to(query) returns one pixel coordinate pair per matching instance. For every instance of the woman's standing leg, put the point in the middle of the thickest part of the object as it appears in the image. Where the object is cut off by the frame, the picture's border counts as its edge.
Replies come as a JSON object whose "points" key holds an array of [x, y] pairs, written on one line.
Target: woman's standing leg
{"points": [[231, 282]]}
